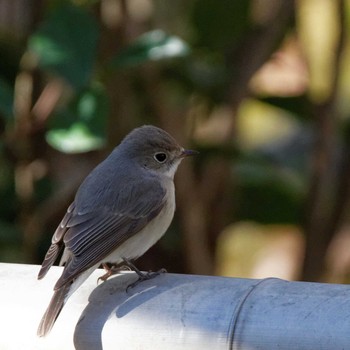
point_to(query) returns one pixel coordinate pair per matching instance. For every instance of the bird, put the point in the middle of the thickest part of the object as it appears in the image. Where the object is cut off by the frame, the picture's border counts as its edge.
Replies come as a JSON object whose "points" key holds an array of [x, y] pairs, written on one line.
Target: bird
{"points": [[121, 209]]}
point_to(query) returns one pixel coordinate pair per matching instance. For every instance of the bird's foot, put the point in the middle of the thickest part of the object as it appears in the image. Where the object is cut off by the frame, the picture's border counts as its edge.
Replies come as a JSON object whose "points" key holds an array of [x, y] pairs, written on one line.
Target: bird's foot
{"points": [[143, 276], [111, 270]]}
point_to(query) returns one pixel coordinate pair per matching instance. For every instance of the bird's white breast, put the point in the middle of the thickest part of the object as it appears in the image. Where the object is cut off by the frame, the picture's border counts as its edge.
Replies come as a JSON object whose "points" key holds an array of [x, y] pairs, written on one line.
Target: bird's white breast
{"points": [[138, 244]]}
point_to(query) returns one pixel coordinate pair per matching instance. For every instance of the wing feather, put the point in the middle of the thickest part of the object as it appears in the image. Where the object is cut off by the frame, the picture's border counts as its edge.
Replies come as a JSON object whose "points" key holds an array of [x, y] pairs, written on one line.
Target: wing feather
{"points": [[56, 243], [91, 240]]}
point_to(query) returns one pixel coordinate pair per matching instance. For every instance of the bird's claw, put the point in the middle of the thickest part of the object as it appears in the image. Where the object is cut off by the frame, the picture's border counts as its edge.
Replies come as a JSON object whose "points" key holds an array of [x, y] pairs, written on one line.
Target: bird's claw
{"points": [[113, 270], [143, 276]]}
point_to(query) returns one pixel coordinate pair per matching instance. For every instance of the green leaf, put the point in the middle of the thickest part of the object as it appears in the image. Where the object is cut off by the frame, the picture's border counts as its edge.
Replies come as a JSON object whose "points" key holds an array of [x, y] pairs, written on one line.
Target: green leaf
{"points": [[66, 44], [81, 127], [76, 139], [6, 99], [152, 46]]}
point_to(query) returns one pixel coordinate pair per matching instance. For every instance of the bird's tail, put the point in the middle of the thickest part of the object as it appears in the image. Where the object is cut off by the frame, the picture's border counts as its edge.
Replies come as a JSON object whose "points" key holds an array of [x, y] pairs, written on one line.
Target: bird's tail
{"points": [[56, 304]]}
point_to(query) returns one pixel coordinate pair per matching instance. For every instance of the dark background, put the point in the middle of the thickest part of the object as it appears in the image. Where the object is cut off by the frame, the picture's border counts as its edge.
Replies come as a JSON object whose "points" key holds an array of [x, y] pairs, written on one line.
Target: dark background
{"points": [[259, 87]]}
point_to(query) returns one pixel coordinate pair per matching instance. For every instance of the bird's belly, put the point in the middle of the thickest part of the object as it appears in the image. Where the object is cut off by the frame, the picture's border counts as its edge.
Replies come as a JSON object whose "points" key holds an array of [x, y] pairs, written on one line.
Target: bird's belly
{"points": [[138, 244]]}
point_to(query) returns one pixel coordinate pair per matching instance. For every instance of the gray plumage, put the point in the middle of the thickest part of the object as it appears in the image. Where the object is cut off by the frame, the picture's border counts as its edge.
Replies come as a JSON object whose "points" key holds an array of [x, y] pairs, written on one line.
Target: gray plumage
{"points": [[120, 210]]}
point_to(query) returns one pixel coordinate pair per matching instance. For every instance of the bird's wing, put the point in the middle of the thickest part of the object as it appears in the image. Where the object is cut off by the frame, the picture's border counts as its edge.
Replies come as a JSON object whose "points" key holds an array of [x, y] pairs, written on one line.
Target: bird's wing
{"points": [[91, 236], [56, 243]]}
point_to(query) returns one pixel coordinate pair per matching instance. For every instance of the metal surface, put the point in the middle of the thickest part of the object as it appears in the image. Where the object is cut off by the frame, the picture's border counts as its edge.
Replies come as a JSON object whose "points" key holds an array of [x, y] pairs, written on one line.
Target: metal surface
{"points": [[175, 312]]}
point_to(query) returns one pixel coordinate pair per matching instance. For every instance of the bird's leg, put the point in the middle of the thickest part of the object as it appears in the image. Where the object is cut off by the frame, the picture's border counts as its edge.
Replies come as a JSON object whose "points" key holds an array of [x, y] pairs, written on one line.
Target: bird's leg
{"points": [[111, 270], [143, 276]]}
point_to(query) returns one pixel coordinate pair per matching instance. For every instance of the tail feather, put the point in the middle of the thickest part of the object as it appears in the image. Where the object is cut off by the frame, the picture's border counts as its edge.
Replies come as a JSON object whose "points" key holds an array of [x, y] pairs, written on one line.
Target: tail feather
{"points": [[56, 304]]}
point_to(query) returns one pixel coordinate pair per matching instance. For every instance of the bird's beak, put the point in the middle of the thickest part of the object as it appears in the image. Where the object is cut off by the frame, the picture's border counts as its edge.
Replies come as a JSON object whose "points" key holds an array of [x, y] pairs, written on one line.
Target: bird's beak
{"points": [[188, 152]]}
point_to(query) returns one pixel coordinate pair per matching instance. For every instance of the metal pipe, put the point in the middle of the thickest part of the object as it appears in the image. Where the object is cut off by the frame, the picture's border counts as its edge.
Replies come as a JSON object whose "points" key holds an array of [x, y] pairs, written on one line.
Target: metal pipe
{"points": [[175, 312]]}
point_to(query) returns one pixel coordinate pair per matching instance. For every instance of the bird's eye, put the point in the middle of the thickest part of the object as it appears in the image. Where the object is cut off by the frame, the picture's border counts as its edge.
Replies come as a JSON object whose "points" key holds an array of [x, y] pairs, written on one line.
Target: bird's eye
{"points": [[160, 157]]}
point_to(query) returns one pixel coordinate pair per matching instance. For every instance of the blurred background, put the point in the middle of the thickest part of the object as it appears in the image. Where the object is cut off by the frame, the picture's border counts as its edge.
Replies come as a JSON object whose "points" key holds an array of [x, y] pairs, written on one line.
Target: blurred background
{"points": [[260, 87]]}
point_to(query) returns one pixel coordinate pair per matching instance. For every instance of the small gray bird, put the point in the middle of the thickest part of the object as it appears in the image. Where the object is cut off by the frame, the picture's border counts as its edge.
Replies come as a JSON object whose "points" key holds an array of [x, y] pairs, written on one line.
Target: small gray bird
{"points": [[122, 208]]}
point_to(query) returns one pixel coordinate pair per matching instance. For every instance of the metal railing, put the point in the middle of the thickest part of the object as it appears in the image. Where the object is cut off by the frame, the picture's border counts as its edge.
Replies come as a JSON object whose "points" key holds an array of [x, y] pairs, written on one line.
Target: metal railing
{"points": [[174, 312]]}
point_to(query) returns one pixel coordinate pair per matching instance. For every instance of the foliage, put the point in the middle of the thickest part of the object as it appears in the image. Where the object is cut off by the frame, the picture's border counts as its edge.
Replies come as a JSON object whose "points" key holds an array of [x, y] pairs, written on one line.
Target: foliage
{"points": [[71, 88], [66, 44]]}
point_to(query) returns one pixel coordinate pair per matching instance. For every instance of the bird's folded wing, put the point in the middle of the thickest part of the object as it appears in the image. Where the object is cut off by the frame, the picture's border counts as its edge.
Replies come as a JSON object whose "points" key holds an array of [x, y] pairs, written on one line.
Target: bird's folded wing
{"points": [[56, 243], [92, 236]]}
